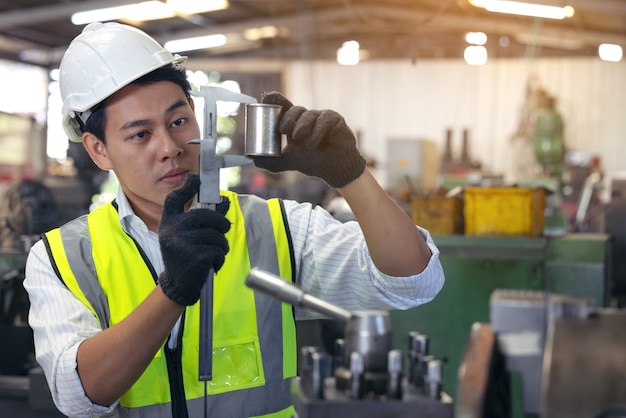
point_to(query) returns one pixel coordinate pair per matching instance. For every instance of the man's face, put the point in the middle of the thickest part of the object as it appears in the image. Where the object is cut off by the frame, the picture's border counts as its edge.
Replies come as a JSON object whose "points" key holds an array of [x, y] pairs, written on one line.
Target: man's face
{"points": [[148, 129]]}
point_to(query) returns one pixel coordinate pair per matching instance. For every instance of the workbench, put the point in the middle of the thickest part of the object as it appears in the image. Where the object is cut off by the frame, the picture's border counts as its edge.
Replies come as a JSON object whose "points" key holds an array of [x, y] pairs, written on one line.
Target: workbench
{"points": [[475, 266]]}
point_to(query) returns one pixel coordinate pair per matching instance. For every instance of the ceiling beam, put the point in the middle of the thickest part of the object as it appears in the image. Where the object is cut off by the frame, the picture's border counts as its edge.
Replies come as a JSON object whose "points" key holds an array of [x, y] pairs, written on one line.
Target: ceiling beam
{"points": [[47, 13], [384, 17]]}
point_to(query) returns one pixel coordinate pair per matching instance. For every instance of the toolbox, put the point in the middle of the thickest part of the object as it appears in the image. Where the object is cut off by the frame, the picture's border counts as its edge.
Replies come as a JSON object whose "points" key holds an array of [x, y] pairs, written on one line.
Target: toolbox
{"points": [[510, 211], [440, 215]]}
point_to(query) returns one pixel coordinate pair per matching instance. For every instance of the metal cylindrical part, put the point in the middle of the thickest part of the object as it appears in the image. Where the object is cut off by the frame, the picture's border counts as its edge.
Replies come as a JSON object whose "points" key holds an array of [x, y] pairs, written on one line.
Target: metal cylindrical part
{"points": [[339, 353], [433, 379], [357, 370], [418, 348], [421, 344], [287, 292], [369, 333], [394, 374], [313, 370], [262, 136]]}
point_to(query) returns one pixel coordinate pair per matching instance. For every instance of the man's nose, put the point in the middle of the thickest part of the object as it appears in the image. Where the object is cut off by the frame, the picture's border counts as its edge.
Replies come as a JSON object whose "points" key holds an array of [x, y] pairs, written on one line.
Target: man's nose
{"points": [[169, 147]]}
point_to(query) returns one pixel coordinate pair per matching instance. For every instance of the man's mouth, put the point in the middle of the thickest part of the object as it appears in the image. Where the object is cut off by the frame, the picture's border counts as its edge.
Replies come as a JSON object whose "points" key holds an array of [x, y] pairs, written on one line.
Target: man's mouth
{"points": [[174, 176]]}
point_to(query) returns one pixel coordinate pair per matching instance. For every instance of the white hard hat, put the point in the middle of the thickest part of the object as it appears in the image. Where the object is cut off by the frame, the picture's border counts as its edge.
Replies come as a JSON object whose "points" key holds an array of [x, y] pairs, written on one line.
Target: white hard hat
{"points": [[104, 58]]}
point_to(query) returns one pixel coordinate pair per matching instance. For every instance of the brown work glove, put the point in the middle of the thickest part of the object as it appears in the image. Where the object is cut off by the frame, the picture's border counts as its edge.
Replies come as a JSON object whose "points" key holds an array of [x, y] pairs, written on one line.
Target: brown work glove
{"points": [[319, 144], [192, 243]]}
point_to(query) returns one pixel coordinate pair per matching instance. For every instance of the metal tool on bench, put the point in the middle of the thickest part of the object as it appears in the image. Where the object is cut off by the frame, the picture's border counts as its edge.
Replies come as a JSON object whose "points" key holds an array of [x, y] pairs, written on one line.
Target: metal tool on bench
{"points": [[364, 377]]}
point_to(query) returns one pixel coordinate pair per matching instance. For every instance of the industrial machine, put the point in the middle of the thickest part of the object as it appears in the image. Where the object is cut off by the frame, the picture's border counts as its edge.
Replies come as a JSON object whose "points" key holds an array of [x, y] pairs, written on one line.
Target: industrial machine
{"points": [[28, 208], [569, 354], [364, 375]]}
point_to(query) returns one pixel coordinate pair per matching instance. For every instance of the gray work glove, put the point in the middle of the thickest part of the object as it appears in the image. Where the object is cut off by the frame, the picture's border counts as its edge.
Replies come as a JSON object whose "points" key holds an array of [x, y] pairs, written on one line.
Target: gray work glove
{"points": [[319, 144], [191, 243]]}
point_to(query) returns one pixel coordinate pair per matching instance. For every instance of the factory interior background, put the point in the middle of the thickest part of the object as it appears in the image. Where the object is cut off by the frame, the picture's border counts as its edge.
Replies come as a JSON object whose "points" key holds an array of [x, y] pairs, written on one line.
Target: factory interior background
{"points": [[515, 164]]}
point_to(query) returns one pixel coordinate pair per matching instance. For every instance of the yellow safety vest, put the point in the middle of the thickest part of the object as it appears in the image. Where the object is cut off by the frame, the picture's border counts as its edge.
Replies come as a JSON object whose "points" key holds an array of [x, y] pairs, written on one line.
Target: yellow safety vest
{"points": [[254, 347]]}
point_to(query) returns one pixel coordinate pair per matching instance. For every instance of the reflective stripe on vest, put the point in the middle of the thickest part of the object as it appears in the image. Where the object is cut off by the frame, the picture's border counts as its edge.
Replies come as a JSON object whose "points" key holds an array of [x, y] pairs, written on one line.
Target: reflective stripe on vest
{"points": [[246, 327]]}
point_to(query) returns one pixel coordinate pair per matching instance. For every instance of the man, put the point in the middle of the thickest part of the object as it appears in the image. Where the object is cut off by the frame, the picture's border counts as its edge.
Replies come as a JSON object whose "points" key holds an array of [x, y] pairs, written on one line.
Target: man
{"points": [[114, 294]]}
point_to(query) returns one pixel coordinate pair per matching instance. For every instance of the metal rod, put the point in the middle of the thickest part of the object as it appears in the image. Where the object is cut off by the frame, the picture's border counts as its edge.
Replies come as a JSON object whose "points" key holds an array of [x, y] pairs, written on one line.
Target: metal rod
{"points": [[205, 365], [284, 291]]}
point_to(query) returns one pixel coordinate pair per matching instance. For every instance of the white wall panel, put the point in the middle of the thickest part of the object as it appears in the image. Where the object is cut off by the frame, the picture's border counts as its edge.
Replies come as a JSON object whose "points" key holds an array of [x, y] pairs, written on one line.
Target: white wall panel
{"points": [[393, 99]]}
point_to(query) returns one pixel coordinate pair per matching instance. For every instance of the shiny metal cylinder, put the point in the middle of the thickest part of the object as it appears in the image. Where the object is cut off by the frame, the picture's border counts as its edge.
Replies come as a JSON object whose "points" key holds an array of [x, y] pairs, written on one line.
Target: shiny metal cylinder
{"points": [[276, 287], [262, 137], [369, 333]]}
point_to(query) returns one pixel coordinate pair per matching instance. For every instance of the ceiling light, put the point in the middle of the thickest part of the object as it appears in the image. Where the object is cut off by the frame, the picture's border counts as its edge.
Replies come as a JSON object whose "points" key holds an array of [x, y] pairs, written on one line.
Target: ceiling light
{"points": [[475, 55], [348, 54], [476, 38], [190, 7], [549, 41], [524, 9], [255, 34], [148, 10], [610, 52], [199, 42]]}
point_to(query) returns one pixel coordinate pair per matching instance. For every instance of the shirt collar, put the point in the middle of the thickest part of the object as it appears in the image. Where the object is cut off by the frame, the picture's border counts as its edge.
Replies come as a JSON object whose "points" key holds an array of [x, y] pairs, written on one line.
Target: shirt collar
{"points": [[125, 212]]}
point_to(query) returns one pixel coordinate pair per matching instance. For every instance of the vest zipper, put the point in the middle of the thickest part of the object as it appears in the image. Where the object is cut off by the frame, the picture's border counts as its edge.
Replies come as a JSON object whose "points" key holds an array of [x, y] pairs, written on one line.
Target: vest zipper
{"points": [[173, 358]]}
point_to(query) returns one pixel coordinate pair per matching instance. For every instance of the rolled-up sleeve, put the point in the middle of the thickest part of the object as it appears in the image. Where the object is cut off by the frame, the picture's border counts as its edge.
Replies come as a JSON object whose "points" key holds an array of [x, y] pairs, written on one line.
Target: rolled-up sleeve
{"points": [[334, 264]]}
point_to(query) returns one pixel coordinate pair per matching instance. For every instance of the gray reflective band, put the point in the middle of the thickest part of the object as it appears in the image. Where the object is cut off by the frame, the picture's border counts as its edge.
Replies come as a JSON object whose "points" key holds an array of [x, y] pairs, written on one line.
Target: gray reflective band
{"points": [[163, 410], [77, 245], [273, 397], [241, 403], [263, 254]]}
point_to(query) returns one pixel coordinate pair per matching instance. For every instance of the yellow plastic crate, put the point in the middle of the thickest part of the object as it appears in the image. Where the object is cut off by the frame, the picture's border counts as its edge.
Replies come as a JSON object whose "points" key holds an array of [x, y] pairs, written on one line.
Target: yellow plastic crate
{"points": [[440, 215], [511, 211]]}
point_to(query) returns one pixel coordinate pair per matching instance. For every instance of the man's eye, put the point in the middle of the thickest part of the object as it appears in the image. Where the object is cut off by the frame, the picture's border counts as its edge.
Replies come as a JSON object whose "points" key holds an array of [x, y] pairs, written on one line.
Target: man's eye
{"points": [[179, 122], [140, 135]]}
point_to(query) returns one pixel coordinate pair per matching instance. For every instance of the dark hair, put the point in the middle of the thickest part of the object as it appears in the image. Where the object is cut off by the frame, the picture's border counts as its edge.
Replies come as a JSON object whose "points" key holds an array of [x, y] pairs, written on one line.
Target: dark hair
{"points": [[177, 75]]}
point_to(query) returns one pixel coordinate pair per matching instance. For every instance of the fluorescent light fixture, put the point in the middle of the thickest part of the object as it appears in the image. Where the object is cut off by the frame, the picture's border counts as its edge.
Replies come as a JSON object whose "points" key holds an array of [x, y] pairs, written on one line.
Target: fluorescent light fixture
{"points": [[525, 9], [190, 7], [475, 55], [255, 34], [199, 42], [610, 52], [148, 10], [549, 41]]}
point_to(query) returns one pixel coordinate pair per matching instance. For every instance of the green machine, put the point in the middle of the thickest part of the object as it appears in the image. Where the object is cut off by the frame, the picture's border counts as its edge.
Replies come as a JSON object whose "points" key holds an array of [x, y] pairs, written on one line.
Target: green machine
{"points": [[575, 265], [549, 150], [548, 141]]}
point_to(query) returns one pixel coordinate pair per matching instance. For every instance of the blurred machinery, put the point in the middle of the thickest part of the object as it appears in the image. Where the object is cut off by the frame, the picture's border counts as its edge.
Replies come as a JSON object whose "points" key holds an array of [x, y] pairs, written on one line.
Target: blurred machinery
{"points": [[616, 228], [549, 150], [569, 354], [459, 165], [547, 138], [364, 376], [27, 209], [413, 166]]}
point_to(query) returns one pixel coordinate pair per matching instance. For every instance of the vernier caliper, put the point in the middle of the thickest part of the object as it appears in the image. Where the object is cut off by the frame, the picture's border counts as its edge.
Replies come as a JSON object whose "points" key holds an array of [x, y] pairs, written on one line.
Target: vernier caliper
{"points": [[209, 197]]}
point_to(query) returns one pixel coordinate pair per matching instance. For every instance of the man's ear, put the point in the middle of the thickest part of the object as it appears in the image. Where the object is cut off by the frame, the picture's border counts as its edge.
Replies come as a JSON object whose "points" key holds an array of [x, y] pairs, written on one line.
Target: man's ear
{"points": [[97, 151], [192, 104]]}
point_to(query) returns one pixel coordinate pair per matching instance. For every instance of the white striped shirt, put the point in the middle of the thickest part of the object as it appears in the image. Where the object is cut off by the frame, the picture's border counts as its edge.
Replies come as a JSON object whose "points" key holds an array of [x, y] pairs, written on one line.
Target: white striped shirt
{"points": [[332, 263]]}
